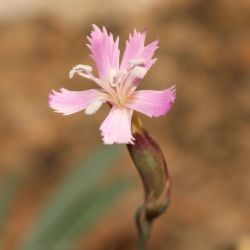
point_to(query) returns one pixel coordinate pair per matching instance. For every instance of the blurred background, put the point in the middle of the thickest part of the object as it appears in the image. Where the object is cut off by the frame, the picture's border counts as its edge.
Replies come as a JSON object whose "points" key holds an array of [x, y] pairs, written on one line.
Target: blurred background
{"points": [[60, 188]]}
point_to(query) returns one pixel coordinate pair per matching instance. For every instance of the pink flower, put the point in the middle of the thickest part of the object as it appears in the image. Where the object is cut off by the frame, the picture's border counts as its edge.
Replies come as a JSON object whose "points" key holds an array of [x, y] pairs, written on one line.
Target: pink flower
{"points": [[117, 85]]}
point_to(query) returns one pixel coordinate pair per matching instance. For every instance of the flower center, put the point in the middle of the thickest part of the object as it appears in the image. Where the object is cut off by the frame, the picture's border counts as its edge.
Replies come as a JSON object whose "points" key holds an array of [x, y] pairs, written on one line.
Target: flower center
{"points": [[122, 82]]}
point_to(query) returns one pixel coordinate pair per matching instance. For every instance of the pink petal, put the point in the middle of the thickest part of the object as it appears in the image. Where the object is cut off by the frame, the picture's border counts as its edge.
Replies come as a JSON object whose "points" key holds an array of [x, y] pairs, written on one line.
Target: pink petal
{"points": [[69, 102], [104, 51], [135, 49], [116, 128], [148, 53], [152, 103]]}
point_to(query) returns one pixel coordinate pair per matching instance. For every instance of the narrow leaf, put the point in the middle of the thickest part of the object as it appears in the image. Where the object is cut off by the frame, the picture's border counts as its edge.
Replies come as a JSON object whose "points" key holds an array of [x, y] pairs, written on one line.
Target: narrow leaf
{"points": [[78, 186]]}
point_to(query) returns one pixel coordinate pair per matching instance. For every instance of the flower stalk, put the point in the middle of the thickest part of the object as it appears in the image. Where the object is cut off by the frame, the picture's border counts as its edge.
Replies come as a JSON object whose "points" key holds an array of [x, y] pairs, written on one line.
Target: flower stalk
{"points": [[151, 165]]}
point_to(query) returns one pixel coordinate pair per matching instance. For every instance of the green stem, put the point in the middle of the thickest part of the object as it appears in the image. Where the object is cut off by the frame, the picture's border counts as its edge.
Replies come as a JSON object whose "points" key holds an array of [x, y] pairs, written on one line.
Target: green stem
{"points": [[143, 226]]}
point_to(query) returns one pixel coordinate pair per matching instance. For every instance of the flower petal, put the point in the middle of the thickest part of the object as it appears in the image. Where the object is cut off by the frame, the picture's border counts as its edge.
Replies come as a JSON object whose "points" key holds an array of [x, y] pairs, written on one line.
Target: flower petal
{"points": [[152, 103], [69, 102], [148, 53], [135, 50], [116, 128], [105, 51]]}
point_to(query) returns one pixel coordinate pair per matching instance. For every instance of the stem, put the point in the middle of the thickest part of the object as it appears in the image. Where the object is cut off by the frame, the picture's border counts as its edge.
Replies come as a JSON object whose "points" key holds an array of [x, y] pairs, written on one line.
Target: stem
{"points": [[143, 225]]}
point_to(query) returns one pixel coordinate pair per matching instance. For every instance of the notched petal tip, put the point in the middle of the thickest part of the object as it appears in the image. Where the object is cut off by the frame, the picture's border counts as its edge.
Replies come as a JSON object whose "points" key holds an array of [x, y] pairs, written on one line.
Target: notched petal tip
{"points": [[173, 93], [104, 51], [111, 142], [116, 128], [153, 103], [95, 28], [50, 97]]}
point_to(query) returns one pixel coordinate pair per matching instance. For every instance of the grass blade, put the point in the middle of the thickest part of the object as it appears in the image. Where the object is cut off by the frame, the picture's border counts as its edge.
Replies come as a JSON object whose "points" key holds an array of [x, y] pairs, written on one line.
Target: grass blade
{"points": [[78, 186], [90, 214]]}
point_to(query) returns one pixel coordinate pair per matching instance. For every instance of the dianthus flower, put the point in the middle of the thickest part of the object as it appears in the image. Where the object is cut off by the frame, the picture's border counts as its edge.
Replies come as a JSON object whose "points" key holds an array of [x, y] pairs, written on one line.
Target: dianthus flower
{"points": [[117, 83]]}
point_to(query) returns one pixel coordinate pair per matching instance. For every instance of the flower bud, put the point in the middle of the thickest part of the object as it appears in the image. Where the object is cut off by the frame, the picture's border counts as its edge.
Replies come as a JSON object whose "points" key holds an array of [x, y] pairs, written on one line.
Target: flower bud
{"points": [[151, 165]]}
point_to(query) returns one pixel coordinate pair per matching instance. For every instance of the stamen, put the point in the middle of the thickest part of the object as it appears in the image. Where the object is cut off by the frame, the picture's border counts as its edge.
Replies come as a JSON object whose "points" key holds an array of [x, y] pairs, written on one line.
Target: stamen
{"points": [[114, 77], [93, 107], [138, 71], [85, 71], [137, 62], [79, 69]]}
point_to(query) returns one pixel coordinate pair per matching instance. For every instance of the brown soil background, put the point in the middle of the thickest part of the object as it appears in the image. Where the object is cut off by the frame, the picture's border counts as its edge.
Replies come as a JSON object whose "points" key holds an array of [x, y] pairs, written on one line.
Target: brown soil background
{"points": [[204, 50]]}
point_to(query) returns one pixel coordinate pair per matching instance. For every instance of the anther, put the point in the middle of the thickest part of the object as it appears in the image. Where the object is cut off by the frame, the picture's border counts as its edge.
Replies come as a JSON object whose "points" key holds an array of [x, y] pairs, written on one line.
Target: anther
{"points": [[114, 77], [80, 68], [138, 71], [137, 62]]}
